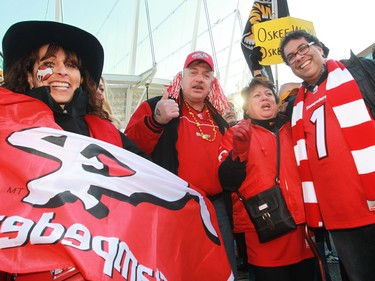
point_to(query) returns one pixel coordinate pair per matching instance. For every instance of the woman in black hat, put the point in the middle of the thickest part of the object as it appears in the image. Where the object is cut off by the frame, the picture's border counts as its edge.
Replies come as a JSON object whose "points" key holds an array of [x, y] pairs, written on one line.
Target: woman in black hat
{"points": [[61, 65]]}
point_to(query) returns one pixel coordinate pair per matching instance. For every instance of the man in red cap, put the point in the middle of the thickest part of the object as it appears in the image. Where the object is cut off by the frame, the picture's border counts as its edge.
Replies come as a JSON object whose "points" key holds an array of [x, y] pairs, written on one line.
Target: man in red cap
{"points": [[181, 131], [200, 56]]}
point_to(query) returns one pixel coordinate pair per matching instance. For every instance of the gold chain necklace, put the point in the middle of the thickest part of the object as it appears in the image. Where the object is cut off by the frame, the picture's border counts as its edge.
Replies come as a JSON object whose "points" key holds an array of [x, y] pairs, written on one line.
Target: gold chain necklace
{"points": [[203, 136]]}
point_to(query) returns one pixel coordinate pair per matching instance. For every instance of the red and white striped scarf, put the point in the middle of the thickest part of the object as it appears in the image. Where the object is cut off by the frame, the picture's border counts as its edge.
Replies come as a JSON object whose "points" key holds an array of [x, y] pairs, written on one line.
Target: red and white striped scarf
{"points": [[345, 98]]}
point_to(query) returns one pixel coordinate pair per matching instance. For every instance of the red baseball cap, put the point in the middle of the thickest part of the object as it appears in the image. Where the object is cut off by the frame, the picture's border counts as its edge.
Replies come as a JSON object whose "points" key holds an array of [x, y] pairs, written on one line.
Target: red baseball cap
{"points": [[199, 55]]}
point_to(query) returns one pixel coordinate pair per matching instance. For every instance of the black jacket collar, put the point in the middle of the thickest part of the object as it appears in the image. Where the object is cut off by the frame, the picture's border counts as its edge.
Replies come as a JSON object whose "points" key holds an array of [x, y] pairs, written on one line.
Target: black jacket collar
{"points": [[71, 117]]}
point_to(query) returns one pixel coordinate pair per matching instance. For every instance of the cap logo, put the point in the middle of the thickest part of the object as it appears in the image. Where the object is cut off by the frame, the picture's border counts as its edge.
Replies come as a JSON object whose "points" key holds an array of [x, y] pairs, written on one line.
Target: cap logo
{"points": [[200, 55]]}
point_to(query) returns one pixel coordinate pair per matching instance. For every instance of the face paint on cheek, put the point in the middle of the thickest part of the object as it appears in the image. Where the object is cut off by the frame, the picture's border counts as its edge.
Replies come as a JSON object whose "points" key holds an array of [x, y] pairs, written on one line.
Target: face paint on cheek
{"points": [[43, 73]]}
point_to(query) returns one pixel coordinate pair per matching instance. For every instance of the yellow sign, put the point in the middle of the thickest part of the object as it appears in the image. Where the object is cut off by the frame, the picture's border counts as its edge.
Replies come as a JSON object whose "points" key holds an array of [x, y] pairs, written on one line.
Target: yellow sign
{"points": [[268, 35]]}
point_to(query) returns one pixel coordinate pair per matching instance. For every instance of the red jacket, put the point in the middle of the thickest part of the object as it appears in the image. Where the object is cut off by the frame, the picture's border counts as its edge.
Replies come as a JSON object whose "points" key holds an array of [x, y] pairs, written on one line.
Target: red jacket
{"points": [[103, 130], [260, 175], [261, 169], [181, 148]]}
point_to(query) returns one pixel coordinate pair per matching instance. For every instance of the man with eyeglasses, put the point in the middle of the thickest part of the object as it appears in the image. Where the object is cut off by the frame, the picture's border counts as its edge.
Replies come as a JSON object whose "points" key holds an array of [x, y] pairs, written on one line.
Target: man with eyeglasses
{"points": [[334, 137]]}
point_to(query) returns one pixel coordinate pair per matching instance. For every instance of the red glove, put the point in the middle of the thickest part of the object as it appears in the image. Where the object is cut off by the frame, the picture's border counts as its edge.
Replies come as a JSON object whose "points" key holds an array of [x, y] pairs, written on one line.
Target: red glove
{"points": [[241, 140]]}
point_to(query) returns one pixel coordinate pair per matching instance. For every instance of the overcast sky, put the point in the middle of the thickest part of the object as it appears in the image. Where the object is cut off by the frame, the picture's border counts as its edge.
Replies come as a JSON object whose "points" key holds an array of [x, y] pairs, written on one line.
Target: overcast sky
{"points": [[340, 24]]}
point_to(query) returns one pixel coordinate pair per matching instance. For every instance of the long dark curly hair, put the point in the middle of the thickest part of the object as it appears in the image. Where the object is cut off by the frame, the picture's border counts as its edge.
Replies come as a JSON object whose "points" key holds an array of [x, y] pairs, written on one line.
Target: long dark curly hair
{"points": [[16, 77]]}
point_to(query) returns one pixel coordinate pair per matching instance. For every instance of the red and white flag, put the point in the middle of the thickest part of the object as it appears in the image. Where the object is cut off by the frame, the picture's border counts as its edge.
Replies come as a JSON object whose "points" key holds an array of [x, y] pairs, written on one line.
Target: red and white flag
{"points": [[67, 199]]}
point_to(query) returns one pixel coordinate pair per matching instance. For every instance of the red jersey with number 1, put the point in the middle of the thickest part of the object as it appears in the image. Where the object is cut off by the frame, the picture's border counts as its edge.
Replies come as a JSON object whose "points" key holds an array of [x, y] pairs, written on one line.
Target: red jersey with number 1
{"points": [[338, 188]]}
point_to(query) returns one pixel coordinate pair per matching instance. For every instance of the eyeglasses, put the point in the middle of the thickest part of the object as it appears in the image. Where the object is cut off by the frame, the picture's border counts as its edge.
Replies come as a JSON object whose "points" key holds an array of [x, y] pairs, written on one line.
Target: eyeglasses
{"points": [[302, 50]]}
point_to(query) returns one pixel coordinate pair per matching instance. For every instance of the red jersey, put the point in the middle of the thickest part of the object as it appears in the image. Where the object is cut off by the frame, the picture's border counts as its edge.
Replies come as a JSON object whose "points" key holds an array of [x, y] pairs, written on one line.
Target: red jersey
{"points": [[338, 188], [197, 157]]}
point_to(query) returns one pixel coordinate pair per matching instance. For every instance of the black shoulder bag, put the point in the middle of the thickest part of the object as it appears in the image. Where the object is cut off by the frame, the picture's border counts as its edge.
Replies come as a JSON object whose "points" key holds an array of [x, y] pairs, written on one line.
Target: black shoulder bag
{"points": [[268, 210]]}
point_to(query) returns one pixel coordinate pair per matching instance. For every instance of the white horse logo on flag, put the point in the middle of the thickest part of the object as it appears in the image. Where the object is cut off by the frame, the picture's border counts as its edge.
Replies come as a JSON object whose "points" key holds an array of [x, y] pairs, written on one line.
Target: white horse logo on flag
{"points": [[90, 168]]}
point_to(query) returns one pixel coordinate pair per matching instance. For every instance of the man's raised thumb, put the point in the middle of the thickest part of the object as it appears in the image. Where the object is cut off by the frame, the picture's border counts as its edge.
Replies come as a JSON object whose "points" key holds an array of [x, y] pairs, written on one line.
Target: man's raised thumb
{"points": [[165, 95]]}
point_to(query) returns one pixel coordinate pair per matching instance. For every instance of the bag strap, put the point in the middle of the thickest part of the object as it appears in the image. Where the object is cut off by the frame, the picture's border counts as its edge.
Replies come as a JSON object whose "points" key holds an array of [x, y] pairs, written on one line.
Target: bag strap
{"points": [[277, 178], [240, 196]]}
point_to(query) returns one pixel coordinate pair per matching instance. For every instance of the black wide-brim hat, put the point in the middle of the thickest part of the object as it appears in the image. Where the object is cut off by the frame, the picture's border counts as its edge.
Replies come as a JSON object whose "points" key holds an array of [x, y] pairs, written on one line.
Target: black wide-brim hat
{"points": [[24, 37]]}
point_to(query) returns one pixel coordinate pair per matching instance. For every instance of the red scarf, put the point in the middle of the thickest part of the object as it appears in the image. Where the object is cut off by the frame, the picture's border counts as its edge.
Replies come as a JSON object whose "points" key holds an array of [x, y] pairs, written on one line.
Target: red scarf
{"points": [[345, 98], [103, 130]]}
